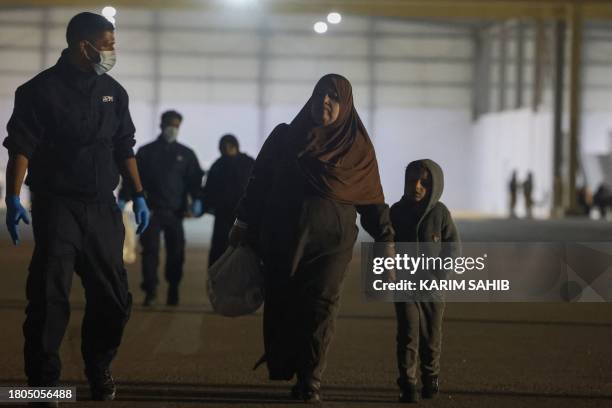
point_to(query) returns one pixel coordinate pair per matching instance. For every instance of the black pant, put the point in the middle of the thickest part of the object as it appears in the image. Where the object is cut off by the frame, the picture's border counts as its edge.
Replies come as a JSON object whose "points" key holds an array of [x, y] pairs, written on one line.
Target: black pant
{"points": [[419, 337], [174, 237], [220, 237], [72, 235]]}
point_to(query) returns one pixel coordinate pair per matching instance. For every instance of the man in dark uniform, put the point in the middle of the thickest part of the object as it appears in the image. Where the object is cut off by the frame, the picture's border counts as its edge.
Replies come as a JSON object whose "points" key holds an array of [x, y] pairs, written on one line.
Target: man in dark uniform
{"points": [[225, 184], [71, 130], [170, 174]]}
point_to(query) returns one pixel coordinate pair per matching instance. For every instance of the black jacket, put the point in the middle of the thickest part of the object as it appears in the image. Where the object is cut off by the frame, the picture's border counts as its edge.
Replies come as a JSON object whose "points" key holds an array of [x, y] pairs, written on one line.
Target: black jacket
{"points": [[74, 127], [169, 172], [225, 184], [432, 223]]}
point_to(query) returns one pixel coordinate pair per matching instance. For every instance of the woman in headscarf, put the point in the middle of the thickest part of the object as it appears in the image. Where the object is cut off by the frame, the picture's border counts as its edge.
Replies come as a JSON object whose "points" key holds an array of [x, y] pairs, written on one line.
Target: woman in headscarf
{"points": [[310, 179]]}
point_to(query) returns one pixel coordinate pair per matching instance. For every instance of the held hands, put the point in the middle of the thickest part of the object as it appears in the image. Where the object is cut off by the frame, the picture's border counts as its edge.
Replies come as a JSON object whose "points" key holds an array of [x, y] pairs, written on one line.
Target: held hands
{"points": [[15, 212], [121, 204], [142, 214], [389, 252]]}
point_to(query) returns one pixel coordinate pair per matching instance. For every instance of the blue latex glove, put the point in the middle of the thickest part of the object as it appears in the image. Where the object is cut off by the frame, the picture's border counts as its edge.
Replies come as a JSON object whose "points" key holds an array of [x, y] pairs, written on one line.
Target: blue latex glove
{"points": [[14, 213], [142, 213], [196, 208], [121, 204]]}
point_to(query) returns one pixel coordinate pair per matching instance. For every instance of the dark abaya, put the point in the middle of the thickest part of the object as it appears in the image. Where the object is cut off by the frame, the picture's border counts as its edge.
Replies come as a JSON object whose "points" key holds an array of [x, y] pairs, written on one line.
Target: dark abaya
{"points": [[307, 185]]}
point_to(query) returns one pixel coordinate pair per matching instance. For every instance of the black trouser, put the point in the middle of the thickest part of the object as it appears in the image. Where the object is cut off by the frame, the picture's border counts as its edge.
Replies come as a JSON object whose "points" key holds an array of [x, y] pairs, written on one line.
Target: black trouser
{"points": [[419, 337], [174, 237], [72, 235], [220, 239]]}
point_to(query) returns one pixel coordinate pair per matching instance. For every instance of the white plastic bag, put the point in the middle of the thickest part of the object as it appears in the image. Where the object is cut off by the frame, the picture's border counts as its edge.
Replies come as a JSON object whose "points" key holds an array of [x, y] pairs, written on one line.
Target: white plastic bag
{"points": [[235, 282]]}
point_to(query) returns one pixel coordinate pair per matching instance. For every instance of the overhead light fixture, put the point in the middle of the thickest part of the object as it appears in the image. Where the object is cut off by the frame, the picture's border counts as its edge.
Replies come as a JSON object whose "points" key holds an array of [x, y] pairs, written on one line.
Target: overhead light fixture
{"points": [[109, 12], [320, 27], [334, 18]]}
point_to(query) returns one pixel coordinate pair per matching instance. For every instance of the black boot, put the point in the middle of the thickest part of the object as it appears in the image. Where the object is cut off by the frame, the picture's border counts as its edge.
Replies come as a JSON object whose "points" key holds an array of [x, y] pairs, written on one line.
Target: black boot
{"points": [[431, 387], [173, 296], [149, 298], [102, 385], [408, 391], [307, 390]]}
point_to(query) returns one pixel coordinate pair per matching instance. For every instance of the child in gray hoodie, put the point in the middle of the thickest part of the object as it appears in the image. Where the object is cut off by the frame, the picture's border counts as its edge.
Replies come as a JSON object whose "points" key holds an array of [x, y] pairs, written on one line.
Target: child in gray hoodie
{"points": [[420, 217]]}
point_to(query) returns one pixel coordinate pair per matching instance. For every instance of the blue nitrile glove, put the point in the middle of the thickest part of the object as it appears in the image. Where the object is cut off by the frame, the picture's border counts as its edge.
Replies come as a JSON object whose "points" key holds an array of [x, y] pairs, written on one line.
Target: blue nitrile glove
{"points": [[142, 213], [14, 213], [196, 208], [121, 204]]}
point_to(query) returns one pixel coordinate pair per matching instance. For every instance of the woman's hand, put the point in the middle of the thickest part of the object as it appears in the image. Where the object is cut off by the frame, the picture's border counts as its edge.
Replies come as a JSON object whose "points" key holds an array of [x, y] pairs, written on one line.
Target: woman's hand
{"points": [[237, 236]]}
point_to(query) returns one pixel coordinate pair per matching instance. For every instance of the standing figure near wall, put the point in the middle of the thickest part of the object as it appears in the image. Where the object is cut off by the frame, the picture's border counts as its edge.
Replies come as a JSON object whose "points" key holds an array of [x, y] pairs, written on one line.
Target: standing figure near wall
{"points": [[171, 174], [603, 199], [225, 185], [513, 187], [310, 179], [528, 194]]}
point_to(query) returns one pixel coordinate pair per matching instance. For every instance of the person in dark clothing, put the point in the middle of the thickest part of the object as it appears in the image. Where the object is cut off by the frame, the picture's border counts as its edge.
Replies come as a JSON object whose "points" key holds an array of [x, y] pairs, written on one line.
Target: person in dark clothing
{"points": [[528, 194], [420, 217], [225, 184], [310, 179], [603, 199], [171, 174], [584, 201], [71, 129], [513, 187]]}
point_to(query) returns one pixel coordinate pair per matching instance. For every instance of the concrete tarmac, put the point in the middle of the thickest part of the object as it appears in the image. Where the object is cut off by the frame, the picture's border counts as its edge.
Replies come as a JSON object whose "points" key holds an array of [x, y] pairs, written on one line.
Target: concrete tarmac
{"points": [[494, 355]]}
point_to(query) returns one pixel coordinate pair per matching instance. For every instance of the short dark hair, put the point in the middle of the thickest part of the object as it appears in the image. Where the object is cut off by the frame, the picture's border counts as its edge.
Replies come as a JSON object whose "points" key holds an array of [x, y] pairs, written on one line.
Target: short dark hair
{"points": [[228, 139], [86, 26], [168, 115]]}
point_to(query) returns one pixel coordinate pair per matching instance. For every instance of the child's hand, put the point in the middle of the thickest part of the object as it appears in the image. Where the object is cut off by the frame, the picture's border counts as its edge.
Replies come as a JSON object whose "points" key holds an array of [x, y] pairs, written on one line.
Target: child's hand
{"points": [[389, 252]]}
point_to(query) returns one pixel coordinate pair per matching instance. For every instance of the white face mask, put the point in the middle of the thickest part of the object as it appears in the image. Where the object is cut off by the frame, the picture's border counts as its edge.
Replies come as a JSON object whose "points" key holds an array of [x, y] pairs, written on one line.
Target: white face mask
{"points": [[107, 60], [170, 134]]}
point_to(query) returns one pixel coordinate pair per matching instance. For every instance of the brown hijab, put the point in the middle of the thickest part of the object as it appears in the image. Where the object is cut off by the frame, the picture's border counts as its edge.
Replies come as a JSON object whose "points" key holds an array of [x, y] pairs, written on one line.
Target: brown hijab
{"points": [[338, 160]]}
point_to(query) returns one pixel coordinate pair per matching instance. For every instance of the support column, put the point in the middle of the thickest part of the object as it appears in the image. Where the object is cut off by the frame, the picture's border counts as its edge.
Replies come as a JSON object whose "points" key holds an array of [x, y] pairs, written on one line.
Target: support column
{"points": [[520, 64], [575, 93], [558, 137], [503, 60], [538, 69], [262, 60], [482, 74], [156, 31]]}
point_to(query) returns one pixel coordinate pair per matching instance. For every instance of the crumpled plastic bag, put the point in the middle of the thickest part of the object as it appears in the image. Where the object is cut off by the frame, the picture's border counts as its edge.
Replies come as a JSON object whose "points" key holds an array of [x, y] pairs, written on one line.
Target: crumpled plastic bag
{"points": [[235, 282]]}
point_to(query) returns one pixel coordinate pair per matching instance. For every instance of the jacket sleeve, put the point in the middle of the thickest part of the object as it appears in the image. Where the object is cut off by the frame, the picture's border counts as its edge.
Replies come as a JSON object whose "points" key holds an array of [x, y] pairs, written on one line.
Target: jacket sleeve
{"points": [[376, 220], [194, 177], [24, 128], [125, 191], [250, 207], [124, 139], [451, 240]]}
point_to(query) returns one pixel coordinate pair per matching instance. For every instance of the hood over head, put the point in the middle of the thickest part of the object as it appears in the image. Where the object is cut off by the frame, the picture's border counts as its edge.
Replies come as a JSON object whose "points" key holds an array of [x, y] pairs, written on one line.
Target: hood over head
{"points": [[437, 182]]}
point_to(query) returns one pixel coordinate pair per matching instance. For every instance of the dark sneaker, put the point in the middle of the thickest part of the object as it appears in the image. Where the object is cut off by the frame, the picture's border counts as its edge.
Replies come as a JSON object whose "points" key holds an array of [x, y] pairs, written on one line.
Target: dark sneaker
{"points": [[149, 299], [431, 387], [310, 395], [173, 296], [102, 386], [408, 392]]}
